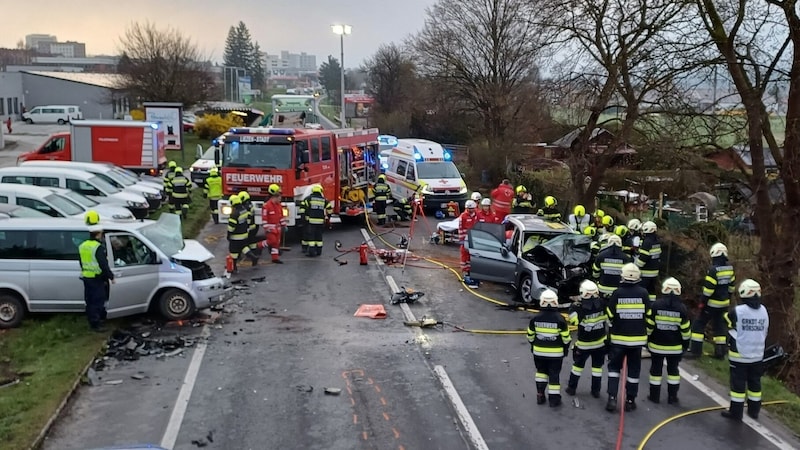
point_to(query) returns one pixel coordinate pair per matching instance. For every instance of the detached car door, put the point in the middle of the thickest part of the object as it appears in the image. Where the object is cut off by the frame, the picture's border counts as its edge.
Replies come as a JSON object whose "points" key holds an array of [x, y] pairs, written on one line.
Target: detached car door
{"points": [[490, 260]]}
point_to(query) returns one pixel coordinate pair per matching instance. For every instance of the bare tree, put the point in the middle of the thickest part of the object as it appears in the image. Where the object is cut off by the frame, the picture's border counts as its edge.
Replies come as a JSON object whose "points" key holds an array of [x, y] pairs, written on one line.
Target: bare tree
{"points": [[390, 77], [484, 53], [163, 65], [615, 54], [759, 44]]}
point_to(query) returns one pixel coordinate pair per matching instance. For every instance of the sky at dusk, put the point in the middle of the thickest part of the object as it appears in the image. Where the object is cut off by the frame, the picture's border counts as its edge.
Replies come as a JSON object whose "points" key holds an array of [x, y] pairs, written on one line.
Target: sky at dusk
{"points": [[296, 26]]}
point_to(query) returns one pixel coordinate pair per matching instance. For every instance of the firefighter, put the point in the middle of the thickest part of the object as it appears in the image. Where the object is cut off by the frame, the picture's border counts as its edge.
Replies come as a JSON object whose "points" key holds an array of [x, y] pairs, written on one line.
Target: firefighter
{"points": [[404, 209], [648, 259], [252, 228], [168, 175], [594, 247], [522, 201], [382, 192], [607, 266], [749, 324], [273, 221], [96, 275], [212, 190], [486, 213], [476, 197], [597, 218], [633, 239], [549, 337], [714, 302], [626, 310], [317, 210], [624, 235], [606, 225], [667, 338], [579, 220], [589, 316], [467, 220], [502, 196], [91, 217], [549, 212], [181, 189], [237, 232]]}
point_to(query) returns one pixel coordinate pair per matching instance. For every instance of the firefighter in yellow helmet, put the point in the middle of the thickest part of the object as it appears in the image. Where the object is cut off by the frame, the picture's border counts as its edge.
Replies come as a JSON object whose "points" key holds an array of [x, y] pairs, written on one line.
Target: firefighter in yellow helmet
{"points": [[382, 193], [212, 190], [91, 217], [168, 174], [549, 212], [96, 274], [579, 220], [180, 192], [316, 211], [238, 235], [523, 201], [252, 228], [273, 221]]}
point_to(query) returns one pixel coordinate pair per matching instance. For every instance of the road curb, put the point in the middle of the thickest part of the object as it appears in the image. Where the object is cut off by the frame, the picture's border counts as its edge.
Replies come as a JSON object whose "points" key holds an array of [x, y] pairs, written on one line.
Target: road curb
{"points": [[47, 426]]}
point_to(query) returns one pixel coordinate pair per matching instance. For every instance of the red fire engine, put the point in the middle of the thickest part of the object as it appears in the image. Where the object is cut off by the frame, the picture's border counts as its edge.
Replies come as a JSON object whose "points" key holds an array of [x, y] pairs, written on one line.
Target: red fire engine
{"points": [[345, 162]]}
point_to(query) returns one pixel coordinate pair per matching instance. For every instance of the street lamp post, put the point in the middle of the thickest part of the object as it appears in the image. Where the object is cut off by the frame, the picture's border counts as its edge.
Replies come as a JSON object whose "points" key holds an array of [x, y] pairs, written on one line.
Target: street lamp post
{"points": [[341, 30]]}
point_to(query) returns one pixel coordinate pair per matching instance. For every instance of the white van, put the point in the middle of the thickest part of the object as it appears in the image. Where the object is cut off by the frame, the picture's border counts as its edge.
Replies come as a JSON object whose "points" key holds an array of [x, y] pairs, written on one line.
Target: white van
{"points": [[416, 161], [59, 114], [154, 269], [57, 202], [82, 182], [108, 174]]}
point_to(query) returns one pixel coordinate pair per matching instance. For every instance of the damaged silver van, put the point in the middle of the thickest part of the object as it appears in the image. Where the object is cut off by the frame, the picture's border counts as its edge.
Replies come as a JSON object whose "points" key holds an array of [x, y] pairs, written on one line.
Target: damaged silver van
{"points": [[154, 269]]}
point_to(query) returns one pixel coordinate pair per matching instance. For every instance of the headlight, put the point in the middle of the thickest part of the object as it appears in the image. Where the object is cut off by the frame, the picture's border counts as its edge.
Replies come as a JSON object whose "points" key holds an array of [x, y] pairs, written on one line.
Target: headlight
{"points": [[151, 195], [285, 212], [227, 210], [463, 190], [133, 204], [122, 216], [191, 169]]}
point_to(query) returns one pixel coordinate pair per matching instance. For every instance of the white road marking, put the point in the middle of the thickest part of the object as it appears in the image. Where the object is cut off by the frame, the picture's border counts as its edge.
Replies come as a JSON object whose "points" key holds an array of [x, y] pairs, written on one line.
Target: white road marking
{"points": [[473, 434], [179, 410], [754, 424]]}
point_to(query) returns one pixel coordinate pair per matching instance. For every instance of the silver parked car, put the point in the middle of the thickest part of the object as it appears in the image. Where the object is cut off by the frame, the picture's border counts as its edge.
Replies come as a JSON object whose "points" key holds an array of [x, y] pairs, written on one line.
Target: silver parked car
{"points": [[531, 254]]}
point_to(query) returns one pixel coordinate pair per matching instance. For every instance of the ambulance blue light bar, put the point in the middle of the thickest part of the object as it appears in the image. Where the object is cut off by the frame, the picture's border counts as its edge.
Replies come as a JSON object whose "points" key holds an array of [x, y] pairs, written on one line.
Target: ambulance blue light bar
{"points": [[386, 139], [276, 131], [447, 156], [417, 156]]}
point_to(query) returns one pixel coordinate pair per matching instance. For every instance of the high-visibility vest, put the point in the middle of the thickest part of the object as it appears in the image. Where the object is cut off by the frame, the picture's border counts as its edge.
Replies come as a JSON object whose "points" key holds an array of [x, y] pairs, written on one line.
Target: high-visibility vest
{"points": [[213, 187], [90, 267]]}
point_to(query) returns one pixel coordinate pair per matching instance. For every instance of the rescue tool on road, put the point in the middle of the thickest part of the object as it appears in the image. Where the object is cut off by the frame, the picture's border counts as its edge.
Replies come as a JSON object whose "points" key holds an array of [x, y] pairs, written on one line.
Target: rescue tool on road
{"points": [[344, 162]]}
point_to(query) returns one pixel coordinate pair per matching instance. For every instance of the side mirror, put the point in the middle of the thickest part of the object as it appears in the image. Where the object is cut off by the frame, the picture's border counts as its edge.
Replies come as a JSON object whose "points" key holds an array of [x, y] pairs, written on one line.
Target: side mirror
{"points": [[463, 176], [305, 157], [199, 152], [504, 251]]}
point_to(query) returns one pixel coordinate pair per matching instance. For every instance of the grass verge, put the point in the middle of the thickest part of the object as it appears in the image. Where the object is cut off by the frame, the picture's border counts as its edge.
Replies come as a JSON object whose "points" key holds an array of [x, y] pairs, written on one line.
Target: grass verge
{"points": [[48, 352], [773, 389]]}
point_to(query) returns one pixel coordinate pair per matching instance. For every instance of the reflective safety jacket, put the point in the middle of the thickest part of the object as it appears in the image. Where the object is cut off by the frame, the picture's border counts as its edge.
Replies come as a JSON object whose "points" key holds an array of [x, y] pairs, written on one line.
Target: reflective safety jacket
{"points": [[579, 223], [251, 216], [550, 214], [502, 196], [272, 215], [488, 216], [381, 191], [626, 312], [590, 317], [630, 244], [316, 209], [212, 187], [94, 260], [180, 186], [649, 257], [465, 223], [548, 334], [168, 175], [748, 324], [522, 205], [668, 326], [607, 268], [238, 223], [719, 283]]}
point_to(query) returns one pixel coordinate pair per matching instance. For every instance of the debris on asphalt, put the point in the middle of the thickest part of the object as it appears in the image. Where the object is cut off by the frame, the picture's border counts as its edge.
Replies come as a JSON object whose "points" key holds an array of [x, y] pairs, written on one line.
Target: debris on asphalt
{"points": [[304, 388], [258, 279], [129, 345], [200, 442], [114, 382], [139, 376], [210, 436], [92, 378], [576, 403], [332, 391]]}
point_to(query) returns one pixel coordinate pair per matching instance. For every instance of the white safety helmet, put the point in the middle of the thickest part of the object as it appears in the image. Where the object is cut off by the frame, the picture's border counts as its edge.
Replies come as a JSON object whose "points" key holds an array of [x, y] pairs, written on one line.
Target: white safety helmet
{"points": [[589, 289], [631, 273], [671, 286], [470, 204], [634, 225], [718, 249], [548, 299], [649, 227], [613, 239], [486, 202], [602, 241], [476, 196], [749, 288]]}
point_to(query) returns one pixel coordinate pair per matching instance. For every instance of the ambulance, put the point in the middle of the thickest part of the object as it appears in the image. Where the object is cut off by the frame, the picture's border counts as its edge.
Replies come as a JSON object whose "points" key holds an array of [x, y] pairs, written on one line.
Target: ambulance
{"points": [[419, 162]]}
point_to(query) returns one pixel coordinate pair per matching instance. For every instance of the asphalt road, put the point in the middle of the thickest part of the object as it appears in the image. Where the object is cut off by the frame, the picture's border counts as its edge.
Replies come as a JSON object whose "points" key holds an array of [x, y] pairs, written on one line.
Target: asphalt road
{"points": [[261, 382]]}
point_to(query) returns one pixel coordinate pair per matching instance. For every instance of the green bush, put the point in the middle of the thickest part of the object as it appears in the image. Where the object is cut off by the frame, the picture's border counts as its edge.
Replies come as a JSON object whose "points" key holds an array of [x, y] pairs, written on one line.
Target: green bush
{"points": [[211, 126]]}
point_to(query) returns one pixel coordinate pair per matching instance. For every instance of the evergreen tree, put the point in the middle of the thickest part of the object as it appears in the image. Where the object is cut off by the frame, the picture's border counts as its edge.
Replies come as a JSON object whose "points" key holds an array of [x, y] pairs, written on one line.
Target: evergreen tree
{"points": [[257, 70], [240, 51], [330, 73]]}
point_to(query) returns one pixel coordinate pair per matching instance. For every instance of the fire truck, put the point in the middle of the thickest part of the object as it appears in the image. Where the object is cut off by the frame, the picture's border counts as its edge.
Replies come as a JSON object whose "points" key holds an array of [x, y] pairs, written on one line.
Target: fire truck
{"points": [[344, 162]]}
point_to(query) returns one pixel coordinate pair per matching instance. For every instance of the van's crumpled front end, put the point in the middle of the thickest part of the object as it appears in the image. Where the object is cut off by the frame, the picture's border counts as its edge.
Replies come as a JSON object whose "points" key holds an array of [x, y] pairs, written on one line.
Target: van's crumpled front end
{"points": [[207, 288]]}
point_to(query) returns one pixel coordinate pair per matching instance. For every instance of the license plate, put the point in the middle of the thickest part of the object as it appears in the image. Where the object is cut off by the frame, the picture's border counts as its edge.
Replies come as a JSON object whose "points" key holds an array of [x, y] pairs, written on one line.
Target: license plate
{"points": [[443, 205]]}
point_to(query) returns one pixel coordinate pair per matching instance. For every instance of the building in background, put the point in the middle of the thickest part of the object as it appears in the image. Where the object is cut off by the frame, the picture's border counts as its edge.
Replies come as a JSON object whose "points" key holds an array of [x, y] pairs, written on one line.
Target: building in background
{"points": [[32, 41], [49, 45], [96, 64], [291, 69]]}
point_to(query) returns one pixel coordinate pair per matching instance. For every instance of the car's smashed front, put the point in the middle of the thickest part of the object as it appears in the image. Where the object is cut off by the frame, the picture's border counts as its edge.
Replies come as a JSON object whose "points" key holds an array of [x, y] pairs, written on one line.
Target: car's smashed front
{"points": [[563, 262]]}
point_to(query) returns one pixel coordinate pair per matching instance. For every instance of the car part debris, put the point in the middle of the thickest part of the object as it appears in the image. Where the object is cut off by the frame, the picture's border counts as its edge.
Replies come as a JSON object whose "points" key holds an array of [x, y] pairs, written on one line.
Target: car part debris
{"points": [[258, 279], [200, 442], [304, 388], [406, 295], [424, 322], [138, 376], [114, 382], [332, 391]]}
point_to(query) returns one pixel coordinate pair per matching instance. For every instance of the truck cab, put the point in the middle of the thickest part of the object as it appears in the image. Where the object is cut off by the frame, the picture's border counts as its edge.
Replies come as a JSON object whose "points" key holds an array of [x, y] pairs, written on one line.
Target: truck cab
{"points": [[56, 148]]}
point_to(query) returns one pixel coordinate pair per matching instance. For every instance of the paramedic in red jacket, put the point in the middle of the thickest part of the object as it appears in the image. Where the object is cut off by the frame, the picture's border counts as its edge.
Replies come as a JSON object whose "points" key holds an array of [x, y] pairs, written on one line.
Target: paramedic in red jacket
{"points": [[487, 214], [502, 196], [273, 221], [467, 220]]}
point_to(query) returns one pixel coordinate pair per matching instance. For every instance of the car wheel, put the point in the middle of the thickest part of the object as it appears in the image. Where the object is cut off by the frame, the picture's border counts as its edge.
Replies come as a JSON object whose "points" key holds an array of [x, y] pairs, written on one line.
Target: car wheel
{"points": [[29, 121], [62, 121], [176, 305], [526, 290], [11, 311]]}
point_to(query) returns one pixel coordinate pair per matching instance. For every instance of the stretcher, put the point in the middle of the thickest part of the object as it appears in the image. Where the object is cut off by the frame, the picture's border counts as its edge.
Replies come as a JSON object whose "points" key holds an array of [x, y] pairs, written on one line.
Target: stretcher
{"points": [[447, 232]]}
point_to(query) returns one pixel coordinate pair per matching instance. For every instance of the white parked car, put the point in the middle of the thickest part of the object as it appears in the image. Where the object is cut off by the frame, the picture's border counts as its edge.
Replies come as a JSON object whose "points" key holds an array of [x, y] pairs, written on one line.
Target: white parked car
{"points": [[199, 169], [55, 202], [59, 114]]}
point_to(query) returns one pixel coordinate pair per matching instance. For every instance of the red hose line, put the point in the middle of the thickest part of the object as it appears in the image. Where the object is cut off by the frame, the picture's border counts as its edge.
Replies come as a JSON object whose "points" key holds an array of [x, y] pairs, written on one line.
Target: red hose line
{"points": [[621, 403]]}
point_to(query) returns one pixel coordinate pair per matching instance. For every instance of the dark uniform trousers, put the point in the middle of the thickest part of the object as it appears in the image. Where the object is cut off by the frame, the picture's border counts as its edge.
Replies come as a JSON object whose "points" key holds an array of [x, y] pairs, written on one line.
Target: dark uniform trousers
{"points": [[616, 356], [656, 371], [715, 316], [579, 358], [746, 383], [95, 293], [548, 374]]}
